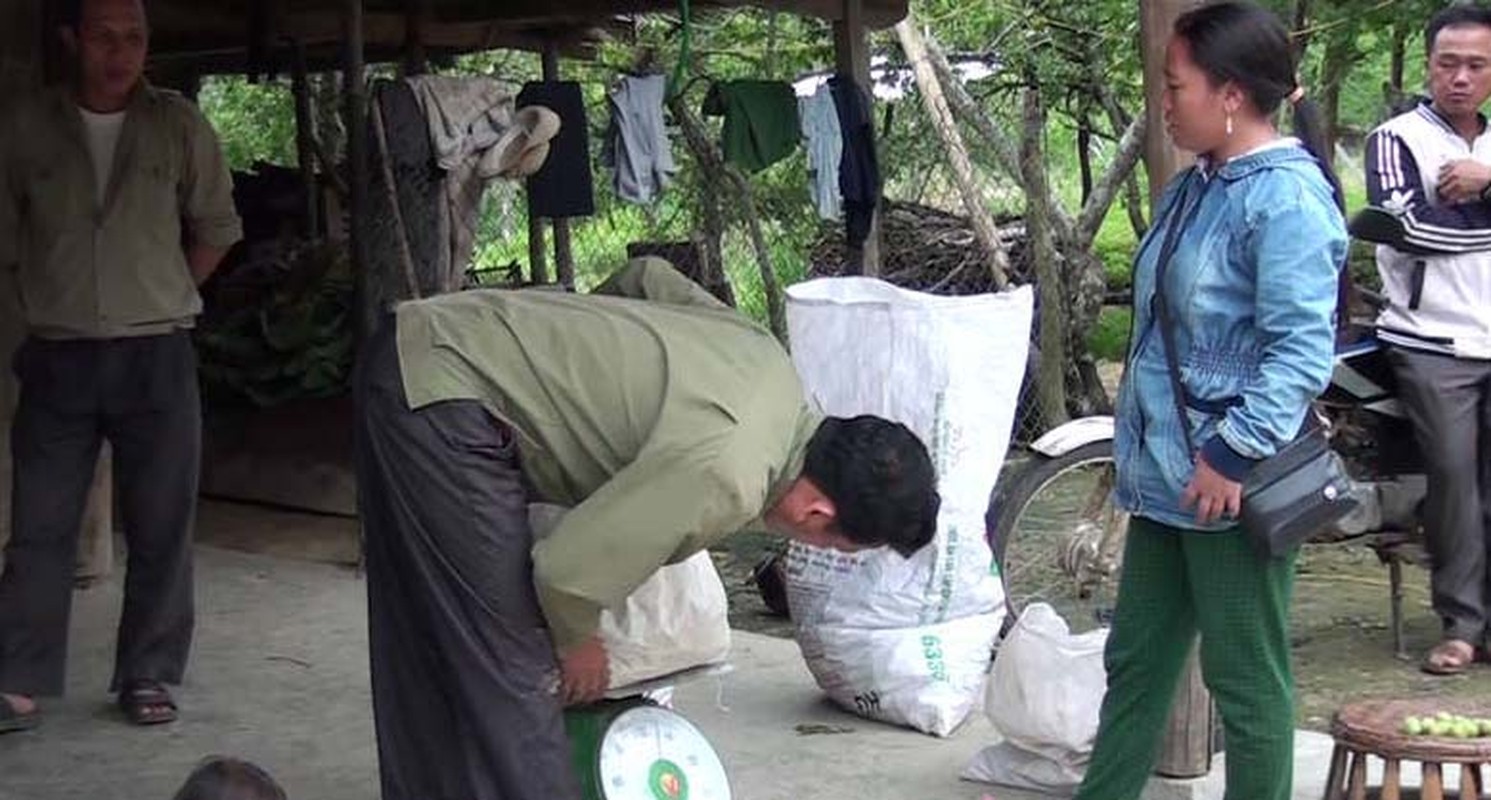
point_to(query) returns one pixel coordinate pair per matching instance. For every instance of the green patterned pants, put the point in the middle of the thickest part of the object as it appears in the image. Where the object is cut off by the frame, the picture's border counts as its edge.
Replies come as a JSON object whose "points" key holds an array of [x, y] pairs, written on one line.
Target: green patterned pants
{"points": [[1177, 584]]}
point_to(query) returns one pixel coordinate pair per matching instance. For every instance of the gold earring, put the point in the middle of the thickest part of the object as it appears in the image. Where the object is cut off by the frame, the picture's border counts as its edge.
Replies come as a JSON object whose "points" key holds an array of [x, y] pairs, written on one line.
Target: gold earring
{"points": [[1229, 123]]}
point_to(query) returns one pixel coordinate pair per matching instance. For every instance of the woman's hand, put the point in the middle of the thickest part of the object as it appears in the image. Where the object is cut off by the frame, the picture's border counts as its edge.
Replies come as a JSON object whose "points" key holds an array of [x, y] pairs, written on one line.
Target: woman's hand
{"points": [[1212, 494]]}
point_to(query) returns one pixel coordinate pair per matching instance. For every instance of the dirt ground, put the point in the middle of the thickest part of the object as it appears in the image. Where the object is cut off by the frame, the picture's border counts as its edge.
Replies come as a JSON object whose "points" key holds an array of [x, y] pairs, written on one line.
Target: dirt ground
{"points": [[1342, 637]]}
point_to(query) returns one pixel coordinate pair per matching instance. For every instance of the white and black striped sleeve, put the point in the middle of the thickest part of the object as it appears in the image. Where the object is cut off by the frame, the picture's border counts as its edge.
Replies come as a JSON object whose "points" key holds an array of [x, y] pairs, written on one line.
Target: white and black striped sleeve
{"points": [[1394, 182]]}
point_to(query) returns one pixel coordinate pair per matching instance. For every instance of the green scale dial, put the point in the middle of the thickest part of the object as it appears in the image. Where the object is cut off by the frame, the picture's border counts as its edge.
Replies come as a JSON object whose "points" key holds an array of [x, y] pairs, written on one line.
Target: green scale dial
{"points": [[636, 750]]}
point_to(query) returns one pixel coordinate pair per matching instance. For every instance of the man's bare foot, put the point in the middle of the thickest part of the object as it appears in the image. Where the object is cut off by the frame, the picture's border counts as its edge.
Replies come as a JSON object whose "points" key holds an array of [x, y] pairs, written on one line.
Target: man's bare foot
{"points": [[1449, 657]]}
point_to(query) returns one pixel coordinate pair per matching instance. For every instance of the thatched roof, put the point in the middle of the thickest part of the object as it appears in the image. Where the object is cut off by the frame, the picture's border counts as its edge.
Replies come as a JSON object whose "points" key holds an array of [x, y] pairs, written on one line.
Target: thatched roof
{"points": [[230, 35]]}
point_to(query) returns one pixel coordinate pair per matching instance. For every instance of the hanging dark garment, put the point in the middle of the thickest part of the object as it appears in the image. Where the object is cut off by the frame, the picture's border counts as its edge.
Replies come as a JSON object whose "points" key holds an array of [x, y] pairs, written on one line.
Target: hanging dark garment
{"points": [[859, 169], [563, 187]]}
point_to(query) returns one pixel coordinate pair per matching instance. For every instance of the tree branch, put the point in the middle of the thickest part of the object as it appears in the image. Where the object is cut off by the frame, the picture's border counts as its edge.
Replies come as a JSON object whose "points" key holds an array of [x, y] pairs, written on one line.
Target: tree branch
{"points": [[1005, 153], [714, 165], [947, 129], [1051, 383], [1125, 159]]}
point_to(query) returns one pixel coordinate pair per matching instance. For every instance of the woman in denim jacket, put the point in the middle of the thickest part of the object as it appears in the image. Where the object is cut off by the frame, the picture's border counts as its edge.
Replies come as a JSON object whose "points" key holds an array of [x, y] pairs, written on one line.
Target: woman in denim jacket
{"points": [[1252, 290]]}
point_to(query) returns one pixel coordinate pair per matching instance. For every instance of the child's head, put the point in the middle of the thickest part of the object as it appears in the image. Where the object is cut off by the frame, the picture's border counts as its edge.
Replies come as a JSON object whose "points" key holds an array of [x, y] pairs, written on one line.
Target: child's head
{"points": [[220, 778]]}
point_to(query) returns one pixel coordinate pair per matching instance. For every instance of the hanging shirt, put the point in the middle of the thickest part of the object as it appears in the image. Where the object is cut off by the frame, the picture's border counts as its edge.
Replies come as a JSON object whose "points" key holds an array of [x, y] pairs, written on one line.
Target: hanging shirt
{"points": [[761, 126], [825, 147], [636, 146], [91, 270], [102, 131], [859, 171]]}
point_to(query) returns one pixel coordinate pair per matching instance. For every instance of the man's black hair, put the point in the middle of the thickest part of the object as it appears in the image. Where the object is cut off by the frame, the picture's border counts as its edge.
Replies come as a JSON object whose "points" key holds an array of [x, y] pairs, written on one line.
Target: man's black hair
{"points": [[69, 13], [880, 478], [1454, 16]]}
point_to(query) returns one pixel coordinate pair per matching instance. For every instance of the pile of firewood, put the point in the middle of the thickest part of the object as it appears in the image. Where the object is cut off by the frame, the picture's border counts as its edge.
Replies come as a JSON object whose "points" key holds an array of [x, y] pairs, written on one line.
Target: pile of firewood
{"points": [[930, 250]]}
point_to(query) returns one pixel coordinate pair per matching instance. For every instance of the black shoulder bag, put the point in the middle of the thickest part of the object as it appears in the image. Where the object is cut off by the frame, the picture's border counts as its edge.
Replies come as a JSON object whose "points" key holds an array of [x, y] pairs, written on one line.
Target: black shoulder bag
{"points": [[1288, 496]]}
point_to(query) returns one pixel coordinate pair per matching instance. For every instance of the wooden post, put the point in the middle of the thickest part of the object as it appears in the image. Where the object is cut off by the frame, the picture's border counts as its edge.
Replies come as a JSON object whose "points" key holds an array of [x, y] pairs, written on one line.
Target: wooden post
{"points": [[305, 139], [355, 114], [1187, 750], [1156, 19], [417, 15], [537, 252], [852, 57], [564, 258]]}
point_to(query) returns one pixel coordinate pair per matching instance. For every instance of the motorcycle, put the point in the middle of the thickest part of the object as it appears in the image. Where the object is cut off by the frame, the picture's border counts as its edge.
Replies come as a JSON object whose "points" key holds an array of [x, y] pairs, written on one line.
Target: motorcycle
{"points": [[1058, 538]]}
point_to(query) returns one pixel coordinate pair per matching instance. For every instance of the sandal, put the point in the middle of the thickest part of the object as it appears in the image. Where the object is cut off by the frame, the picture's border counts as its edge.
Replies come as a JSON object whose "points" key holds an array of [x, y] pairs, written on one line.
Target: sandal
{"points": [[146, 702], [1449, 657], [13, 721]]}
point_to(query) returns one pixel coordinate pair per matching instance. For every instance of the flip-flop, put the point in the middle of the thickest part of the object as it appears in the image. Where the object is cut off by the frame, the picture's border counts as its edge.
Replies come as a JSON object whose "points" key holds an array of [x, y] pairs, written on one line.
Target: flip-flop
{"points": [[1449, 657], [147, 703], [13, 721]]}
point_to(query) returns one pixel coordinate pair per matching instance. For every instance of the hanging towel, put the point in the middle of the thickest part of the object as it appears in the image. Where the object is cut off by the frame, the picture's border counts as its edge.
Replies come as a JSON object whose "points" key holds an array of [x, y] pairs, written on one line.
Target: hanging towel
{"points": [[563, 186], [825, 147], [636, 147], [465, 115], [859, 170], [761, 125]]}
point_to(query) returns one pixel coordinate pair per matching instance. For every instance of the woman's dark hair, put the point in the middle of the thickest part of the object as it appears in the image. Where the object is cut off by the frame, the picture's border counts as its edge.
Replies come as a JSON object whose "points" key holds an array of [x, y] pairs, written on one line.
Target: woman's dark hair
{"points": [[220, 778], [880, 479], [1451, 17], [1248, 45]]}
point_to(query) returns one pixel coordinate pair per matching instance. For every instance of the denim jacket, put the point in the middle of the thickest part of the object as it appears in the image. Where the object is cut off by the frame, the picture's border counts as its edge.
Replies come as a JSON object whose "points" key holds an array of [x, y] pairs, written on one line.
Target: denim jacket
{"points": [[1252, 291]]}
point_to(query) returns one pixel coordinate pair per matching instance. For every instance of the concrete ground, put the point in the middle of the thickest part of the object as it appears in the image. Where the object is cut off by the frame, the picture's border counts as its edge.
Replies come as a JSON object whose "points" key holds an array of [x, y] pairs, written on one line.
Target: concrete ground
{"points": [[279, 676]]}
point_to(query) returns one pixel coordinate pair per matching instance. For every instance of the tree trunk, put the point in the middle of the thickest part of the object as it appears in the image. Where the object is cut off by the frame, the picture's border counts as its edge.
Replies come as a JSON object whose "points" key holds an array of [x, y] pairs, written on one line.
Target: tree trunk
{"points": [[1051, 377], [718, 172], [1084, 154], [1133, 203], [712, 235], [1340, 52], [1301, 42], [1399, 57], [957, 154]]}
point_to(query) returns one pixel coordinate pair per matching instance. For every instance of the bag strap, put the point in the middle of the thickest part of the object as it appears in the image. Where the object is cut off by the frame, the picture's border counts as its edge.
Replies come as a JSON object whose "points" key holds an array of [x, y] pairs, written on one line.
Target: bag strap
{"points": [[1180, 216]]}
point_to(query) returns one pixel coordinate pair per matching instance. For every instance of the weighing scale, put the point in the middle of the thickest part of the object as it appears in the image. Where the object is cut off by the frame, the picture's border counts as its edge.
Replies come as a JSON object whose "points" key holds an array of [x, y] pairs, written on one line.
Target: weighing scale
{"points": [[628, 747]]}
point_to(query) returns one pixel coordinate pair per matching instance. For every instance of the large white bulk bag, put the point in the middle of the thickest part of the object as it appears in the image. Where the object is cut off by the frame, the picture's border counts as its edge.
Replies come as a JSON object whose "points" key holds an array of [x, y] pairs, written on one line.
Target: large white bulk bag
{"points": [[950, 369]]}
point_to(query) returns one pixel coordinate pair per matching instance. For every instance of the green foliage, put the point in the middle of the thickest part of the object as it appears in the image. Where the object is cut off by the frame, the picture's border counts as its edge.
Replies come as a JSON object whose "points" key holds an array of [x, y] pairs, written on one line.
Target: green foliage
{"points": [[256, 122], [297, 343], [1110, 339]]}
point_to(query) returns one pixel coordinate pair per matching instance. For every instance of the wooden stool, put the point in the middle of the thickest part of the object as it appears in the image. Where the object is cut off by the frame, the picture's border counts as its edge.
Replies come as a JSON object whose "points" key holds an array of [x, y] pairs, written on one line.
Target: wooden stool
{"points": [[1373, 728]]}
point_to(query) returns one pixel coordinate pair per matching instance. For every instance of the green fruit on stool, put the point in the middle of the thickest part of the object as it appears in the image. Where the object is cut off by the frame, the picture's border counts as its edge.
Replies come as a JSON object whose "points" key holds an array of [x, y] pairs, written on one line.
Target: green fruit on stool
{"points": [[1445, 724]]}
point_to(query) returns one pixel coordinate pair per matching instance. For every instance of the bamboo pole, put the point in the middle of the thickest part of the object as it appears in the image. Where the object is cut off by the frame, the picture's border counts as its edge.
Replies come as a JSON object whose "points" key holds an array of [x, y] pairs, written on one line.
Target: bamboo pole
{"points": [[935, 102]]}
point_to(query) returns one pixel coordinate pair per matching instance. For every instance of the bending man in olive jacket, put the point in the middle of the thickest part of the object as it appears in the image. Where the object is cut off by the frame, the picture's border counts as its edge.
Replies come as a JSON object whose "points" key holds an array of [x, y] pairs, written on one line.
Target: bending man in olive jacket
{"points": [[663, 418]]}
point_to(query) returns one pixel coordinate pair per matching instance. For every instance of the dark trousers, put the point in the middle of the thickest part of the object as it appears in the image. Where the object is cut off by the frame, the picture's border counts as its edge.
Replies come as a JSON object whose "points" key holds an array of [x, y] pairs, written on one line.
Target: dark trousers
{"points": [[463, 670], [1448, 400], [141, 395]]}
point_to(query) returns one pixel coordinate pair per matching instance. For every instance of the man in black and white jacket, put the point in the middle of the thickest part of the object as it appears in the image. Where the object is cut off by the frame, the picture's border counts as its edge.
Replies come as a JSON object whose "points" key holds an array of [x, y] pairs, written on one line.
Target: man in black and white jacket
{"points": [[1432, 167]]}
